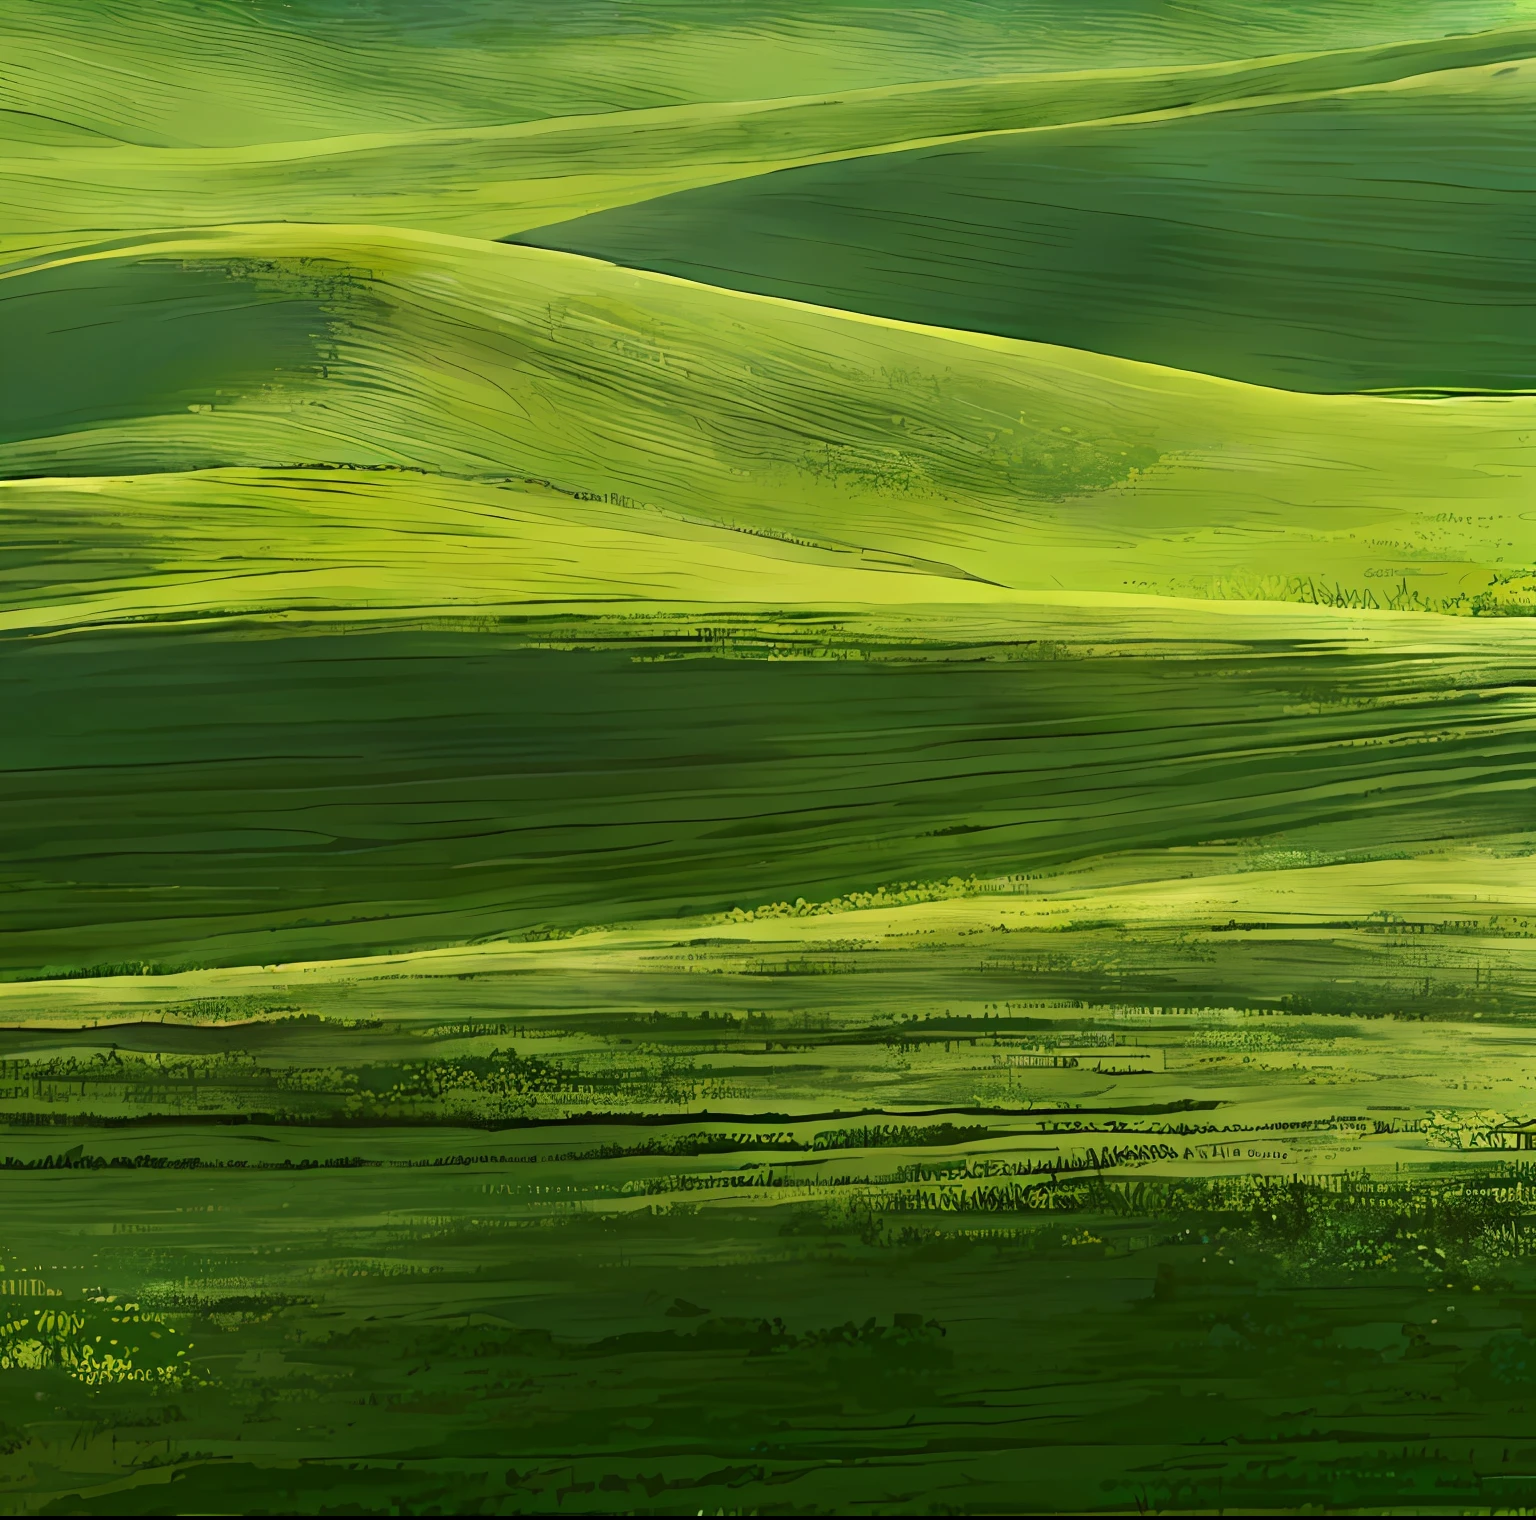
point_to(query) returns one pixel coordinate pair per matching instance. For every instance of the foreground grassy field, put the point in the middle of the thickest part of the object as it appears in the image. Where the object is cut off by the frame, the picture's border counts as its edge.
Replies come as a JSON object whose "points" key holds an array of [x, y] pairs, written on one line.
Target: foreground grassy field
{"points": [[712, 803], [808, 1211]]}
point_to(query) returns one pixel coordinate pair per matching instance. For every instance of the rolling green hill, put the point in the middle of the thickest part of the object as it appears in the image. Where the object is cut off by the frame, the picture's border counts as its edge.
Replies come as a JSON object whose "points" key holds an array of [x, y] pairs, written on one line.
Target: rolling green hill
{"points": [[1315, 244], [962, 455], [227, 72], [497, 178]]}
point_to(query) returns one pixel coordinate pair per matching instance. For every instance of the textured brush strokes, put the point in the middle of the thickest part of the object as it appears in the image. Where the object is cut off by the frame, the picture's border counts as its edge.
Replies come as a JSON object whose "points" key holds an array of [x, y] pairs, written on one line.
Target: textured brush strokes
{"points": [[766, 759]]}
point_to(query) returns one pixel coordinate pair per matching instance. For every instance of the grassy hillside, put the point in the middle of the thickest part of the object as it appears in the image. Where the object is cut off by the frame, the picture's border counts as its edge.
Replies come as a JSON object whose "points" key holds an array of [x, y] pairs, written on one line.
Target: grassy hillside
{"points": [[1314, 244], [393, 432], [990, 919], [493, 178], [905, 888], [225, 72], [965, 455]]}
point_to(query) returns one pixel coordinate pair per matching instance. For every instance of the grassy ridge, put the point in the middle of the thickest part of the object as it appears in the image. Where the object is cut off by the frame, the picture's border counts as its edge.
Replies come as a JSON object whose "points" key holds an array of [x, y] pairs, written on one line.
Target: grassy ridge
{"points": [[221, 73], [355, 544], [484, 180], [1028, 467], [1364, 240]]}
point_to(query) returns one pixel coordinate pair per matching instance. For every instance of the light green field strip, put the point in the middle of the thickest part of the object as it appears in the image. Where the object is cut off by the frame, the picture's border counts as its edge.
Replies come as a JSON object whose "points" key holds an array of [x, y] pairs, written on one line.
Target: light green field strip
{"points": [[1314, 1129], [1310, 1124], [1489, 892], [320, 546], [339, 545], [1028, 466], [1235, 1090], [497, 180], [183, 73], [314, 544]]}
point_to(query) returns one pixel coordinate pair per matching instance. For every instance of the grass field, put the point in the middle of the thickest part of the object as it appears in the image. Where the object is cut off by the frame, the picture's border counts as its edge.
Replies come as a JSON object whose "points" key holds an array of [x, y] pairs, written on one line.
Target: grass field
{"points": [[766, 761], [1359, 239]]}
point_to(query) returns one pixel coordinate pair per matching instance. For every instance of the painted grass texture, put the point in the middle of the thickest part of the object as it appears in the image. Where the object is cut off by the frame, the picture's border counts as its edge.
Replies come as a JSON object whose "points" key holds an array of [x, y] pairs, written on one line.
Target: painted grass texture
{"points": [[767, 759]]}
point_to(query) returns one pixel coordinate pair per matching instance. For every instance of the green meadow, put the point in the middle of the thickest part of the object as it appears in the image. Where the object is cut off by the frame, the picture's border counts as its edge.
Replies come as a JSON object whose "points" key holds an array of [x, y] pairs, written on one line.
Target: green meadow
{"points": [[767, 760]]}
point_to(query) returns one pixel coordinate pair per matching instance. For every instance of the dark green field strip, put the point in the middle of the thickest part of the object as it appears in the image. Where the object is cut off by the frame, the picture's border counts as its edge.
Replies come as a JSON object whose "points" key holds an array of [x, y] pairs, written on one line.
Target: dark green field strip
{"points": [[144, 339], [206, 798], [413, 1340], [1368, 241]]}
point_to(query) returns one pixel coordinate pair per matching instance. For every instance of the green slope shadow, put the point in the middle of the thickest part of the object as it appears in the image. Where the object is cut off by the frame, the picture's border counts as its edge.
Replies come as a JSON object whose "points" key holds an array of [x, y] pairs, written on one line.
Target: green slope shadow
{"points": [[110, 342], [1374, 240], [208, 798]]}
